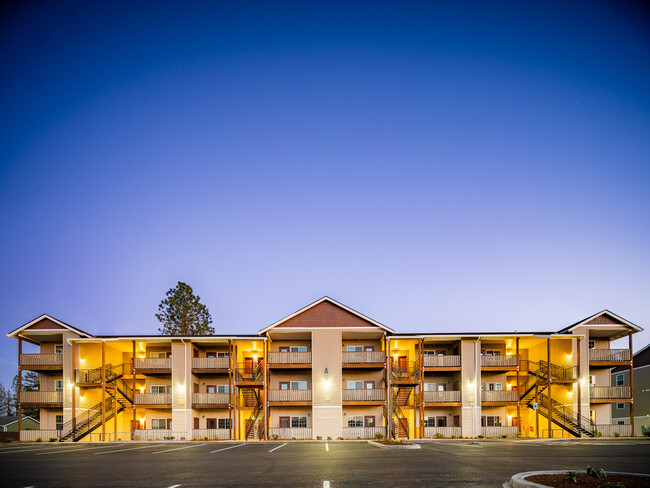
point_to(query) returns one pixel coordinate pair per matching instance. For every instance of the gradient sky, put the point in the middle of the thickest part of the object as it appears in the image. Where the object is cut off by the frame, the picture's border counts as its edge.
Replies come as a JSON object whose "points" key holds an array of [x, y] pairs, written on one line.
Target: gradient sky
{"points": [[436, 166]]}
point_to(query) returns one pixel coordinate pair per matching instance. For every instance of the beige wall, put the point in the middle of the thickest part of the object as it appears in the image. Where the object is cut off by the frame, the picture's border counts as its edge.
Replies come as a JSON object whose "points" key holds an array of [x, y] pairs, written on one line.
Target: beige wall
{"points": [[470, 384], [326, 388]]}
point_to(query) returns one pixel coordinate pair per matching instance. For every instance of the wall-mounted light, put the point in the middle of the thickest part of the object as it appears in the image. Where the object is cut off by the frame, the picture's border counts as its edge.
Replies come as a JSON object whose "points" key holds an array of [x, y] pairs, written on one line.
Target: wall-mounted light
{"points": [[82, 360]]}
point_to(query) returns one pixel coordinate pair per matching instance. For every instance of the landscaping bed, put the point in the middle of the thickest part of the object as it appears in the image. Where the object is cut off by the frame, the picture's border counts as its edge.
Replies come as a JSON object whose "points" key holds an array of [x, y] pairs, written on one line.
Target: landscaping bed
{"points": [[586, 481], [393, 443]]}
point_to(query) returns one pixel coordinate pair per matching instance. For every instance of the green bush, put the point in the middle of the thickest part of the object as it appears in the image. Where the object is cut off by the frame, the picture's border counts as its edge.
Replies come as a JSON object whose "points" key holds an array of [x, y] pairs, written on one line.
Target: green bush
{"points": [[616, 434], [503, 436], [438, 435], [596, 472], [52, 439], [481, 437], [379, 435], [39, 440], [329, 438], [571, 476], [275, 437], [319, 437], [339, 438]]}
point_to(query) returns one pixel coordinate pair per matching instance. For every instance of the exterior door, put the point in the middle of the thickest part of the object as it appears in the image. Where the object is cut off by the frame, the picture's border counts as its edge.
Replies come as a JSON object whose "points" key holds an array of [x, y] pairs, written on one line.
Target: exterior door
{"points": [[248, 365], [402, 363], [196, 423], [284, 385], [369, 421], [285, 422]]}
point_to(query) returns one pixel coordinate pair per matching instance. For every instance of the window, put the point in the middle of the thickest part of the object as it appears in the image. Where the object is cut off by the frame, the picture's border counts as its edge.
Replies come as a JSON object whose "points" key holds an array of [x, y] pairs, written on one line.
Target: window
{"points": [[298, 349], [592, 344], [355, 348], [59, 422], [58, 349], [158, 389], [158, 354], [223, 354], [433, 352], [355, 421], [430, 422], [301, 422], [620, 406], [224, 423], [492, 352], [592, 380], [620, 422], [493, 421], [620, 380], [58, 385], [223, 388], [493, 386], [210, 354], [355, 385], [161, 424], [430, 387], [298, 385], [211, 389], [210, 423]]}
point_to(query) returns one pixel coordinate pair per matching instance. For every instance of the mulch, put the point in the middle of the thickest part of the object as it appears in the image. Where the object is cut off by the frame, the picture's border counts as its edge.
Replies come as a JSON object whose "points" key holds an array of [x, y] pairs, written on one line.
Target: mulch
{"points": [[586, 481]]}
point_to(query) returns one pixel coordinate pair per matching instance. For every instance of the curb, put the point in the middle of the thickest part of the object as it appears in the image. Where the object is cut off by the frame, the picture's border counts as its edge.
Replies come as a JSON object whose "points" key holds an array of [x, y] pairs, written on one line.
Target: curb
{"points": [[403, 446], [518, 481]]}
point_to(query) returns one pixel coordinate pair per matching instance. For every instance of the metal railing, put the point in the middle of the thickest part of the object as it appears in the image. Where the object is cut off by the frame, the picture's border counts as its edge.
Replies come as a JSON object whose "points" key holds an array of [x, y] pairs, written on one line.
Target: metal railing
{"points": [[210, 363], [290, 433], [498, 361], [158, 435], [41, 397], [364, 395], [564, 415], [289, 395], [499, 431], [247, 372], [610, 430], [363, 432], [153, 363], [41, 359], [498, 396], [444, 431], [289, 357], [364, 357], [210, 398], [441, 396], [405, 371], [152, 398], [609, 392], [43, 434], [615, 355], [441, 361], [210, 434]]}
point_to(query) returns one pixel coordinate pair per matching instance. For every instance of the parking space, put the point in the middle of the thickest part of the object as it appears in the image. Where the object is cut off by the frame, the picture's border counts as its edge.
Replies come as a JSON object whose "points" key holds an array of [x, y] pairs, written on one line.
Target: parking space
{"points": [[305, 464]]}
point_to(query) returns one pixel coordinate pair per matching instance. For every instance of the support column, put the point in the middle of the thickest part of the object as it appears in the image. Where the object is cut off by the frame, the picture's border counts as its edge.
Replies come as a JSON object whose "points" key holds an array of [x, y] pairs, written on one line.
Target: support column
{"points": [[537, 410], [631, 383], [266, 389], [133, 392], [103, 391], [548, 376], [20, 386], [518, 386], [389, 414], [579, 384], [231, 402], [114, 411], [74, 385], [421, 384]]}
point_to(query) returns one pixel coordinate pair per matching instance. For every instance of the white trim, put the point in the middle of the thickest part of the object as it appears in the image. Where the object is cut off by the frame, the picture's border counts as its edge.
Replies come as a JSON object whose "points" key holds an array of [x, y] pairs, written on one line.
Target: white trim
{"points": [[333, 302], [17, 331], [605, 326]]}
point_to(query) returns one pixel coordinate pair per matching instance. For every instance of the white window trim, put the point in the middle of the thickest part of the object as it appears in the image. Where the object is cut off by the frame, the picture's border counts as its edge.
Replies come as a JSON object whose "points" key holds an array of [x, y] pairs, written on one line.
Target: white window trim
{"points": [[620, 377], [158, 387], [298, 385], [58, 349]]}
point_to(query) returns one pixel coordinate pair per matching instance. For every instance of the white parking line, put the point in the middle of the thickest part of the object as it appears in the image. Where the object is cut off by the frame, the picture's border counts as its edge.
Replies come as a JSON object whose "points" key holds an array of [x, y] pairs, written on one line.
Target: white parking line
{"points": [[326, 484], [40, 449], [327, 447], [226, 448], [177, 449], [174, 486], [278, 447], [59, 451], [130, 449]]}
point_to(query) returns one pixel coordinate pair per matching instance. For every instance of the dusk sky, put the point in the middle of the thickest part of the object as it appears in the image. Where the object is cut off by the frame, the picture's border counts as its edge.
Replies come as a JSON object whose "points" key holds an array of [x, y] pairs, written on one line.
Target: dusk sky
{"points": [[435, 166]]}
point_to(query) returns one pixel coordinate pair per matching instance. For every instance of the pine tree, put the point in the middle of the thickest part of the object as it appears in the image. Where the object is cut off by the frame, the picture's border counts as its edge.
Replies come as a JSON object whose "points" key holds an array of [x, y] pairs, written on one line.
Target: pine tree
{"points": [[4, 401], [182, 313]]}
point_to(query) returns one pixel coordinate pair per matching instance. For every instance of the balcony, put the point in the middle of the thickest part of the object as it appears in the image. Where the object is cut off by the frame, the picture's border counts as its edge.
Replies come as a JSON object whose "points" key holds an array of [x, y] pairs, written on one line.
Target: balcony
{"points": [[364, 358], [363, 432], [406, 372], [210, 399], [41, 398], [211, 434], [289, 396], [247, 373], [161, 399], [153, 365], [610, 430], [288, 359], [441, 361], [609, 393], [500, 431], [290, 433], [499, 362], [41, 361], [364, 395], [498, 396], [210, 365], [607, 356], [442, 397], [430, 432], [158, 435]]}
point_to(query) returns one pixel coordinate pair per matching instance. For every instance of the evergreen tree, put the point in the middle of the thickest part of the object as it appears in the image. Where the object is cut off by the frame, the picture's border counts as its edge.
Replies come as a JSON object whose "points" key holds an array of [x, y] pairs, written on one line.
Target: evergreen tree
{"points": [[31, 382], [4, 400], [182, 313]]}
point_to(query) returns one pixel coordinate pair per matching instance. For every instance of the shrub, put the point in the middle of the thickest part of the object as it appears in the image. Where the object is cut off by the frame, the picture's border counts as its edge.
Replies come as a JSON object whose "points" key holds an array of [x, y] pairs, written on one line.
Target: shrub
{"points": [[481, 437], [39, 440], [616, 434], [275, 437], [503, 436], [597, 433], [358, 437], [518, 434], [293, 438], [453, 436], [611, 484], [339, 438], [572, 476], [319, 437], [438, 435], [596, 472], [52, 439], [205, 438], [329, 438], [647, 433], [379, 435]]}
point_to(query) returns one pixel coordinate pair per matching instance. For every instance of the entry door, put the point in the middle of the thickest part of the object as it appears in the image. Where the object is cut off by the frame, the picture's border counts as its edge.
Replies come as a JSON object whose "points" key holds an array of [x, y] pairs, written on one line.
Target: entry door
{"points": [[401, 363], [248, 365], [369, 421], [456, 420], [285, 422], [196, 423]]}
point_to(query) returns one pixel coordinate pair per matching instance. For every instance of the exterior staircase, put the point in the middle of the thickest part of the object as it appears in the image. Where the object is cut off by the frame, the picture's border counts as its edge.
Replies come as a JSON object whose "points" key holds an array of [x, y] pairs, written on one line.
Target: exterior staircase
{"points": [[255, 422], [399, 424]]}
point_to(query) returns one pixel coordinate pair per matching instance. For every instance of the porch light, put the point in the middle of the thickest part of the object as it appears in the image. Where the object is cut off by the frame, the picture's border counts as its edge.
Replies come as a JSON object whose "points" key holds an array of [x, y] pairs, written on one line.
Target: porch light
{"points": [[82, 360], [569, 357], [142, 389], [181, 388]]}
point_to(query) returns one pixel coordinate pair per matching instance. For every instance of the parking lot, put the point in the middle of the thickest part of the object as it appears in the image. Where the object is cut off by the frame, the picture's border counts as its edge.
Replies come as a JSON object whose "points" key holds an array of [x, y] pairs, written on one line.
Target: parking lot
{"points": [[306, 464]]}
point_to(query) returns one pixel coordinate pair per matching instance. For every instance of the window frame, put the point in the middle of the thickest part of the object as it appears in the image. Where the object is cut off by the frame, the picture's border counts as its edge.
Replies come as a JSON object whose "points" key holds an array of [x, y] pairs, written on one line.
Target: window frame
{"points": [[620, 379]]}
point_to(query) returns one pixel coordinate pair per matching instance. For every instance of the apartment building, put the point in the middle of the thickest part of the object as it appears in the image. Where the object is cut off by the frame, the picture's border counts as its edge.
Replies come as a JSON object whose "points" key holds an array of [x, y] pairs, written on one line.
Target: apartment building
{"points": [[325, 371], [639, 382]]}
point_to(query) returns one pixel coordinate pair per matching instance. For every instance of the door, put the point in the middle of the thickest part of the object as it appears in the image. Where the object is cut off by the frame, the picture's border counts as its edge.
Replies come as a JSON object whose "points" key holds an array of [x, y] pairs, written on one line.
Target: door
{"points": [[369, 386], [195, 389], [369, 421], [285, 422], [456, 420], [248, 365], [402, 363], [195, 353], [196, 423]]}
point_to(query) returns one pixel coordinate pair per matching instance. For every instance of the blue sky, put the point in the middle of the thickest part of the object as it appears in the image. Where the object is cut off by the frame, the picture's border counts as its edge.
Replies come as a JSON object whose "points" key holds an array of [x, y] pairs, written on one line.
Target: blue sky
{"points": [[436, 166]]}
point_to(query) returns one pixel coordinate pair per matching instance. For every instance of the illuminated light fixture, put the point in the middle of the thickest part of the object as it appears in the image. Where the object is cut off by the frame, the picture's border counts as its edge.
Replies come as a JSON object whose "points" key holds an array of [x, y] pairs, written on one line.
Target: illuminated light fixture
{"points": [[569, 357], [181, 388], [82, 360], [142, 389]]}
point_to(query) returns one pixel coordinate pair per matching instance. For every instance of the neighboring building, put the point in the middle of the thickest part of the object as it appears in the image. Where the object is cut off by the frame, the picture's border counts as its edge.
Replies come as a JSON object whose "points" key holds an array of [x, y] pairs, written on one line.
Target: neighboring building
{"points": [[10, 423], [325, 371], [641, 386]]}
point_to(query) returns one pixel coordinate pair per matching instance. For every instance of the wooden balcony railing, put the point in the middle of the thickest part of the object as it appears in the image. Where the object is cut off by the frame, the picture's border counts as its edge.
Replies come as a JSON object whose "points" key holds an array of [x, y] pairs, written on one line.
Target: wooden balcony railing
{"points": [[610, 355], [210, 398], [153, 363], [610, 430], [489, 361], [41, 397], [210, 434], [441, 361], [609, 392], [42, 434], [441, 396], [498, 396], [498, 431], [289, 395], [289, 357], [430, 432], [364, 357], [158, 435], [210, 363], [363, 432], [36, 360], [364, 395], [153, 398], [290, 433]]}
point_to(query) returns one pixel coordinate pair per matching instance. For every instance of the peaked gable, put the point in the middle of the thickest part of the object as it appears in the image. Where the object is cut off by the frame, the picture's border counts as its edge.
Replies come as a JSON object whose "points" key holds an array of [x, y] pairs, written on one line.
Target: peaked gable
{"points": [[45, 322]]}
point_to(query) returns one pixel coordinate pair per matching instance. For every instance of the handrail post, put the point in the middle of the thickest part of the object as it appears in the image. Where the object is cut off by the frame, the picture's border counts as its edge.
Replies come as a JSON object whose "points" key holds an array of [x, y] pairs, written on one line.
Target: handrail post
{"points": [[631, 384]]}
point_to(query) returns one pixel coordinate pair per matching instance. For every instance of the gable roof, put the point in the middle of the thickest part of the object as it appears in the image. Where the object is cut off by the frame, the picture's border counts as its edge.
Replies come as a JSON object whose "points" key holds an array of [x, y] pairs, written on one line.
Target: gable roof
{"points": [[330, 301], [604, 317], [11, 419], [60, 323]]}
